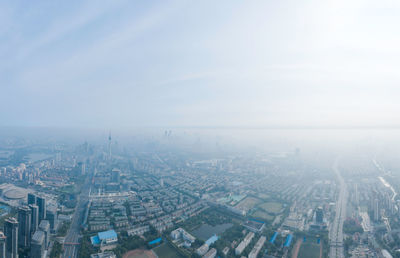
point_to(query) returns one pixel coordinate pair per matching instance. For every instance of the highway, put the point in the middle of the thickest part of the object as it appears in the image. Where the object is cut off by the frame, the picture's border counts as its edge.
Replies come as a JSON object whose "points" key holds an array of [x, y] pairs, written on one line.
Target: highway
{"points": [[71, 243], [336, 229]]}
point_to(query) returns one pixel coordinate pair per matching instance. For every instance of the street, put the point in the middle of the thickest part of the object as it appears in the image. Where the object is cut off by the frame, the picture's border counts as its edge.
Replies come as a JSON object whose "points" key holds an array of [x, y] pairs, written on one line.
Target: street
{"points": [[336, 229], [71, 242]]}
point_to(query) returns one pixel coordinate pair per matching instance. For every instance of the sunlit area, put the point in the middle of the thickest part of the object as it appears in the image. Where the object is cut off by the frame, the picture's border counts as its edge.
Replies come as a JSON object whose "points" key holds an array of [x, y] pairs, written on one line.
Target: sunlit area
{"points": [[173, 129]]}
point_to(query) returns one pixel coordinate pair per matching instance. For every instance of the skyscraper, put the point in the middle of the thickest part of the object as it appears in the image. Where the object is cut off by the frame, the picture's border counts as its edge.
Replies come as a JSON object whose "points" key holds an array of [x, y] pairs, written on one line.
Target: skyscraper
{"points": [[24, 226], [115, 175], [34, 218], [31, 198], [41, 203], [376, 209], [37, 244], [2, 244], [319, 215], [109, 146], [45, 227], [11, 232], [51, 216]]}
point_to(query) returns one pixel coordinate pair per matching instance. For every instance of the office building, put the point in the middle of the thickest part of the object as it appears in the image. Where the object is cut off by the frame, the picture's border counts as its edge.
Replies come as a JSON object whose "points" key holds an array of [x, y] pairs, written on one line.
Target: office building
{"points": [[24, 226], [51, 216], [31, 198], [41, 203], [37, 244], [376, 210], [319, 215], [34, 217], [11, 233], [45, 227], [2, 244], [115, 175]]}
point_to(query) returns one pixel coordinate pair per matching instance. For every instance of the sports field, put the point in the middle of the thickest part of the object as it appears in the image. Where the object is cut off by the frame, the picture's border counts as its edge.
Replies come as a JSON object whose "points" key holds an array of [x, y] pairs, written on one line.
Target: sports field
{"points": [[166, 251], [263, 215], [139, 253], [248, 203], [309, 250], [271, 207]]}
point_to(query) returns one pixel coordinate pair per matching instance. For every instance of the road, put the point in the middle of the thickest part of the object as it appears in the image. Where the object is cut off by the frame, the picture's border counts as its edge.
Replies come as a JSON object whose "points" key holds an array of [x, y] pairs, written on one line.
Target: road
{"points": [[71, 243], [336, 229]]}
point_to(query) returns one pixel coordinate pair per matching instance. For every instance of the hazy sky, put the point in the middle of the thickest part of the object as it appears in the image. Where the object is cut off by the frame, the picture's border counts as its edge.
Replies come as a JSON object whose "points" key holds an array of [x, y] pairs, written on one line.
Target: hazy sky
{"points": [[199, 63]]}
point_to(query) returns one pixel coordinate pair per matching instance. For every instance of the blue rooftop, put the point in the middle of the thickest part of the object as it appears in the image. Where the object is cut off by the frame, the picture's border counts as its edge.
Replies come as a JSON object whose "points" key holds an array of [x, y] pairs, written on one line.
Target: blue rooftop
{"points": [[288, 241], [155, 241], [95, 240], [259, 221], [107, 234], [273, 238], [212, 239]]}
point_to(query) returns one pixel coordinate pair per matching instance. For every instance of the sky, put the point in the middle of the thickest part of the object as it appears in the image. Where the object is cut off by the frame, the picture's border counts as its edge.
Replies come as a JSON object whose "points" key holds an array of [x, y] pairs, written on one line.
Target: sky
{"points": [[111, 64]]}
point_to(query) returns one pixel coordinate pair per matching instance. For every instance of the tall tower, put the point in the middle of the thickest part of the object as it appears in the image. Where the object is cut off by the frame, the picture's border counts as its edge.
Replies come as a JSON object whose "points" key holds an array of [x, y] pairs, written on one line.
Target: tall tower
{"points": [[34, 218], [41, 203], [109, 146], [24, 227], [11, 232]]}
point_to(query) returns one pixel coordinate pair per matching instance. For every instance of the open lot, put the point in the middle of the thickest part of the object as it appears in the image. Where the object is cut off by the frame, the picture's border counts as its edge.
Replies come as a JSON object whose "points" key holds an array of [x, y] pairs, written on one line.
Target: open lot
{"points": [[309, 250], [139, 253], [263, 215], [248, 203], [264, 196], [166, 251], [271, 207]]}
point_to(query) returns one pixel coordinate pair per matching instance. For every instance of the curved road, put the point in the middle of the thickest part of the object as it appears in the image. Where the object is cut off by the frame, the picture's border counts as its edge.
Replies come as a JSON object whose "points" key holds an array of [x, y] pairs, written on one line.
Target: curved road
{"points": [[336, 229]]}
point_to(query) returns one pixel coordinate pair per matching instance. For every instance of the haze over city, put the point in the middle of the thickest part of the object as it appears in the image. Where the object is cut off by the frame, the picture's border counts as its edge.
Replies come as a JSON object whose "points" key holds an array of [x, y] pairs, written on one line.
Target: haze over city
{"points": [[176, 129]]}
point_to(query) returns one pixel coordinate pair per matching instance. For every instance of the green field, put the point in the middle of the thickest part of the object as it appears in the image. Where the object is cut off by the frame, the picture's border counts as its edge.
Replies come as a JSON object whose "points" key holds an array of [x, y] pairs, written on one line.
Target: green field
{"points": [[264, 196], [309, 250], [263, 215], [248, 203], [271, 207], [166, 251]]}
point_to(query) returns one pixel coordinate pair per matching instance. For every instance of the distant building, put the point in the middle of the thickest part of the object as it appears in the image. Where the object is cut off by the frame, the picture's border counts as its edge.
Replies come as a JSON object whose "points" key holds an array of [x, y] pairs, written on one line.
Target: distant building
{"points": [[115, 175], [2, 244], [24, 227], [11, 233], [38, 244], [319, 215], [41, 203], [45, 227], [376, 210], [34, 217]]}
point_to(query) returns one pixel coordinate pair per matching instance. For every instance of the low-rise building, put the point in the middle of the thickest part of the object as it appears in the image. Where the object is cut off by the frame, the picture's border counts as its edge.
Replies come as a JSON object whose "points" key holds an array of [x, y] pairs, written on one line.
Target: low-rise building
{"points": [[211, 253], [257, 247], [239, 249], [202, 250]]}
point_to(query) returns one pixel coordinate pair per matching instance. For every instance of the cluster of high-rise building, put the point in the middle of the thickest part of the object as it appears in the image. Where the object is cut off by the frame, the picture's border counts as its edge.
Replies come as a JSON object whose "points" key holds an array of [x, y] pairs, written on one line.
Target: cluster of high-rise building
{"points": [[30, 230]]}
